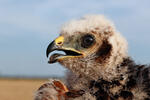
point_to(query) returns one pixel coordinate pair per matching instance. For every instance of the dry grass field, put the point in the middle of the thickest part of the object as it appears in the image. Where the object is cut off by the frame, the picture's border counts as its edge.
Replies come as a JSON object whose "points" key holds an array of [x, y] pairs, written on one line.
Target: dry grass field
{"points": [[19, 89]]}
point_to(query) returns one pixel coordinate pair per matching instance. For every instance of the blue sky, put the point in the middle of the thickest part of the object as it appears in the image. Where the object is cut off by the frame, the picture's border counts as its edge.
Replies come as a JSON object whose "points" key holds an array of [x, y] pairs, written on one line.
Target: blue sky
{"points": [[28, 26]]}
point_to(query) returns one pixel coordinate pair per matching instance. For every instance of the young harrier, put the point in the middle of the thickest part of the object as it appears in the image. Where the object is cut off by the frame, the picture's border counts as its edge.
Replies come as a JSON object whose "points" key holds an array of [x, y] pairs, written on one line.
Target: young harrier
{"points": [[98, 63]]}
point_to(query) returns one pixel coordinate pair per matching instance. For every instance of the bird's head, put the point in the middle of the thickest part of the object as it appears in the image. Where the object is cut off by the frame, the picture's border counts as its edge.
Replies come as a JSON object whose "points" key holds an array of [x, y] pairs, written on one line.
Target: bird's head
{"points": [[91, 45]]}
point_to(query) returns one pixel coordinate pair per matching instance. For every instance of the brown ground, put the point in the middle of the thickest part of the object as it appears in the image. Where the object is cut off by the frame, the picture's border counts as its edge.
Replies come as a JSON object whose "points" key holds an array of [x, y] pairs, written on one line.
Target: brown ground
{"points": [[19, 89]]}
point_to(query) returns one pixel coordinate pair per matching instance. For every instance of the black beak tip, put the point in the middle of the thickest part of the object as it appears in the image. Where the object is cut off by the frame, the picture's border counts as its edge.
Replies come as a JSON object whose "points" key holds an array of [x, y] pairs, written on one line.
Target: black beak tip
{"points": [[47, 54], [50, 48]]}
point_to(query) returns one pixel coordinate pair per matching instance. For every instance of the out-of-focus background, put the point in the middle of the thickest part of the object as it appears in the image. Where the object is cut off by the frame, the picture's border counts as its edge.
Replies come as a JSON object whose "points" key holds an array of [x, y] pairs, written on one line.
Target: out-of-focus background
{"points": [[28, 26]]}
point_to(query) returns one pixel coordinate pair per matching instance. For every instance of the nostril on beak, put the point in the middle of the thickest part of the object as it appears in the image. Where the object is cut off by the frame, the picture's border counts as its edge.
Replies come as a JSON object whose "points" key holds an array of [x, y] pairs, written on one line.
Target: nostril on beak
{"points": [[59, 43]]}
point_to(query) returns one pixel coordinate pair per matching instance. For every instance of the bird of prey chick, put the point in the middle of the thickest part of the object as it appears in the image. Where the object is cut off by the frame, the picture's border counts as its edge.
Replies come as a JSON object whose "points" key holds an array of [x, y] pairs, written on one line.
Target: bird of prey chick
{"points": [[99, 67]]}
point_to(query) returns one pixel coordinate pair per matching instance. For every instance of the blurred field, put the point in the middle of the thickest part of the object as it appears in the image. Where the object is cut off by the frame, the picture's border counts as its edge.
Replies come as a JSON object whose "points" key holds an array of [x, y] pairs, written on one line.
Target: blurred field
{"points": [[19, 89]]}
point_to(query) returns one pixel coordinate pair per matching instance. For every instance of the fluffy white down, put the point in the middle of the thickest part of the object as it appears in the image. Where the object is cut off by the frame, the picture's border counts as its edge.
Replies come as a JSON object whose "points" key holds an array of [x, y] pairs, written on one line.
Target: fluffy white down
{"points": [[86, 24]]}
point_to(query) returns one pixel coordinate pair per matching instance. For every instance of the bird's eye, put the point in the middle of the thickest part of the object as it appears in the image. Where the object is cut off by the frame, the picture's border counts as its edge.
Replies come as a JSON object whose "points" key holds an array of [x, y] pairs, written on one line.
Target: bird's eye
{"points": [[87, 40]]}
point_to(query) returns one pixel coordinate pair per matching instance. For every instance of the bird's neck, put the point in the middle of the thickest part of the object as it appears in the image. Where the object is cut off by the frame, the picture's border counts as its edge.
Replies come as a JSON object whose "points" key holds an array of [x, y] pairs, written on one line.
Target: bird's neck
{"points": [[113, 69], [115, 84]]}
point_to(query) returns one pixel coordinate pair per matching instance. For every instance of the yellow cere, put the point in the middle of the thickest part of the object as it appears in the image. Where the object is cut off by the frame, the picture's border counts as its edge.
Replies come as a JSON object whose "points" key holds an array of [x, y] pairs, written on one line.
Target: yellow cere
{"points": [[59, 40]]}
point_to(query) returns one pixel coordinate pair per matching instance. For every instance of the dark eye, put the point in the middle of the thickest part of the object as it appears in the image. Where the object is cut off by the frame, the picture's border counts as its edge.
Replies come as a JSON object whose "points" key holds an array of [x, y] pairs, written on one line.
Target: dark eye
{"points": [[87, 40]]}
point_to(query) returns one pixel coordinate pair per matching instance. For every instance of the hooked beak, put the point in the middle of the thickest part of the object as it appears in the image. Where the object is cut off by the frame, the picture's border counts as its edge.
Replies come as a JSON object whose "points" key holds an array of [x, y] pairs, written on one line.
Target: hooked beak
{"points": [[58, 45]]}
